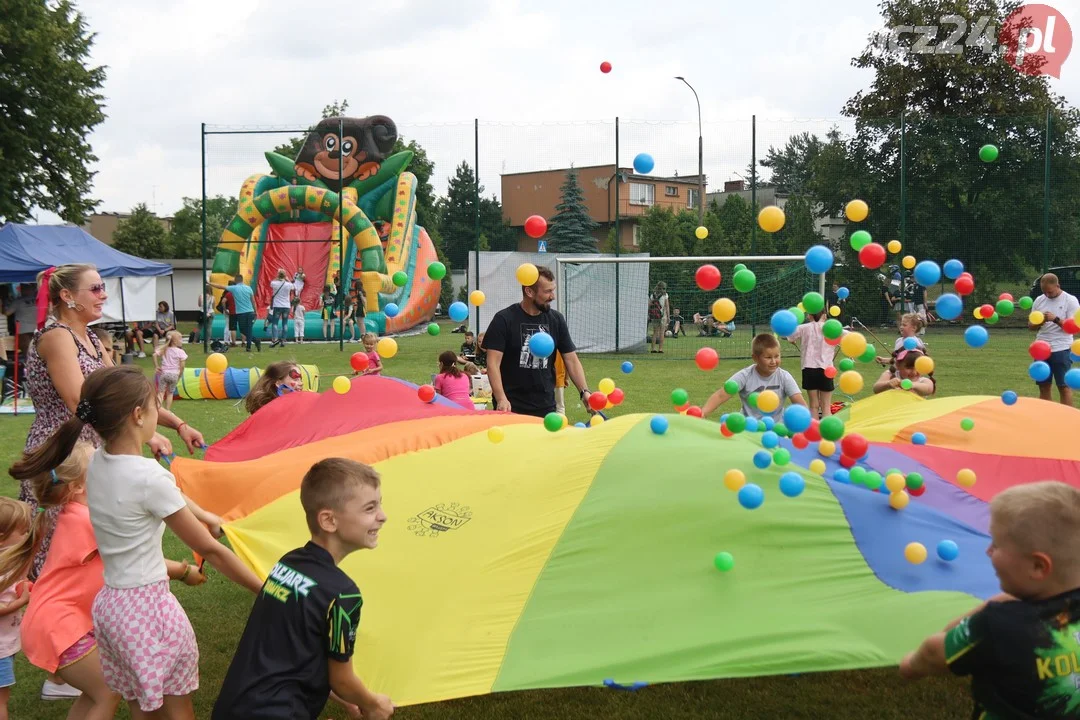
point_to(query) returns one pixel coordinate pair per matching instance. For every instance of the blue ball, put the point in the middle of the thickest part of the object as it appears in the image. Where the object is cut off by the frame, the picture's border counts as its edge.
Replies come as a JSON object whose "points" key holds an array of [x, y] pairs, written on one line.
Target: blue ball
{"points": [[751, 424], [541, 344], [762, 459], [768, 423], [842, 475], [458, 311], [751, 496], [910, 343], [1009, 397], [784, 322], [580, 425], [723, 418], [627, 367], [953, 270], [818, 259], [843, 293], [949, 306], [947, 550], [391, 310], [658, 424], [1073, 357], [797, 418], [1039, 371], [792, 484], [643, 163], [918, 438], [1072, 378], [927, 273], [770, 440], [976, 336]]}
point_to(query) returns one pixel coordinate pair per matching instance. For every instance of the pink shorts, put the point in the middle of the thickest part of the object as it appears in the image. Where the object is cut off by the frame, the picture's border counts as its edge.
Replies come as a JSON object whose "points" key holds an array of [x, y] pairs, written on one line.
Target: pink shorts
{"points": [[82, 647], [146, 643]]}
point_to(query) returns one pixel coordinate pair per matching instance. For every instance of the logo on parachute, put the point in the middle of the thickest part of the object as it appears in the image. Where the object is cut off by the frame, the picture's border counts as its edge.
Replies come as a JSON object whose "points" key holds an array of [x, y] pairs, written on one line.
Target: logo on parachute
{"points": [[439, 519]]}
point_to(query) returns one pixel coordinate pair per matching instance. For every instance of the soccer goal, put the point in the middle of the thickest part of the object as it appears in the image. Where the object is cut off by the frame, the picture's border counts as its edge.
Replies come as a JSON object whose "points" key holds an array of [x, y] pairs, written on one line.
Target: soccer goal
{"points": [[606, 302]]}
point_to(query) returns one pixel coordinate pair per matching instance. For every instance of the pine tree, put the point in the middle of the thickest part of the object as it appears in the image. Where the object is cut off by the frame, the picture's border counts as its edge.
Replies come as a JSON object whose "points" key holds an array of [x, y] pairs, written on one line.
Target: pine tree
{"points": [[570, 230]]}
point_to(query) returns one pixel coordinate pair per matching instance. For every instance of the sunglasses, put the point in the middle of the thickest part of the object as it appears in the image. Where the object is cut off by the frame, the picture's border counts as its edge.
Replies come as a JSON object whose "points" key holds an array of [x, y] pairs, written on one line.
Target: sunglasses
{"points": [[98, 289], [294, 374]]}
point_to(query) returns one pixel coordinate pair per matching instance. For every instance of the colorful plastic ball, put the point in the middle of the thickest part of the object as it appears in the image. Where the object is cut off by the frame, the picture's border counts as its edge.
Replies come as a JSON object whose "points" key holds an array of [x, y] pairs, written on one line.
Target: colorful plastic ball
{"points": [[724, 561], [858, 475], [992, 319], [965, 477], [1072, 378], [913, 481], [554, 421], [731, 387], [1070, 326], [216, 362], [781, 456], [535, 226], [812, 432], [744, 281], [949, 306], [643, 163], [679, 397], [734, 479], [707, 277], [918, 492], [830, 372], [581, 425], [854, 445], [477, 297], [894, 481], [792, 484], [1026, 303], [596, 420], [541, 344], [783, 323], [988, 153], [918, 438], [598, 401], [798, 312], [872, 256], [967, 424], [819, 259], [706, 358], [342, 384], [910, 343], [770, 440], [843, 293], [701, 232], [846, 364], [868, 354], [856, 210], [924, 365], [400, 279], [359, 361], [767, 423], [735, 422], [527, 274], [1036, 318], [976, 336], [658, 424], [899, 500], [964, 285], [616, 396], [693, 411], [874, 480], [1004, 308], [386, 347], [762, 459], [947, 550], [605, 67], [606, 386], [953, 269], [723, 310], [725, 431], [391, 310], [813, 302], [927, 273], [751, 496], [436, 271], [771, 218], [853, 345], [817, 465], [627, 367], [906, 384], [1039, 350], [1009, 397], [738, 267], [1039, 371], [826, 448], [846, 462], [433, 329], [426, 393], [768, 401], [458, 311], [797, 418], [496, 434], [851, 382]]}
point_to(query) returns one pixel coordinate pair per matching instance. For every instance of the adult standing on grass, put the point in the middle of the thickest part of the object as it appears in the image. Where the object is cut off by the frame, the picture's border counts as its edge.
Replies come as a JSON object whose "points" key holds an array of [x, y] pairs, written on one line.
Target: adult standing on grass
{"points": [[1057, 306], [520, 381], [244, 299]]}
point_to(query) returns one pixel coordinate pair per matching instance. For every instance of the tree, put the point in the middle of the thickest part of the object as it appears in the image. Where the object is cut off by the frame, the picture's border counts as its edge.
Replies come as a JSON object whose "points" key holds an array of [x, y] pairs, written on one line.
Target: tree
{"points": [[142, 234], [50, 100], [291, 148], [736, 220], [792, 166], [571, 228], [457, 219], [185, 235]]}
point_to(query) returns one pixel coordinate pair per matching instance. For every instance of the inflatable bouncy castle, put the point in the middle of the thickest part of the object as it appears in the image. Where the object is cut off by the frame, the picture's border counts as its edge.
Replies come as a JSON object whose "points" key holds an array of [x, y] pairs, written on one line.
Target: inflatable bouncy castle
{"points": [[291, 219]]}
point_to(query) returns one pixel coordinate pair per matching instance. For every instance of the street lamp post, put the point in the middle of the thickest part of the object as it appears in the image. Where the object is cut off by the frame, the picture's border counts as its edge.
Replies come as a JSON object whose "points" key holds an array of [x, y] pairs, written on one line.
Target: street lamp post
{"points": [[700, 155]]}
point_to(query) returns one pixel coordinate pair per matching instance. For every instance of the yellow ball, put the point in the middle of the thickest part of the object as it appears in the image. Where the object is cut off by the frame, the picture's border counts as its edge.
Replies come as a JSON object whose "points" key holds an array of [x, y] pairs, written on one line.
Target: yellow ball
{"points": [[771, 218], [594, 420], [827, 448], [767, 401], [894, 246], [1036, 317], [477, 297], [898, 501], [1076, 347], [606, 386], [977, 312], [895, 482], [800, 306], [924, 365], [216, 363], [527, 274], [853, 344], [702, 232], [834, 311], [908, 262], [723, 310], [817, 465], [734, 479], [342, 385], [386, 347], [965, 477], [496, 435], [1076, 317], [856, 211], [851, 382], [915, 553]]}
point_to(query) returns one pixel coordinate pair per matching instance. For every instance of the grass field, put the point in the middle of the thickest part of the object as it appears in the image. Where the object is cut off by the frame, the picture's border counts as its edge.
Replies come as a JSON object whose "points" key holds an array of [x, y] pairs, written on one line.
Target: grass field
{"points": [[218, 610]]}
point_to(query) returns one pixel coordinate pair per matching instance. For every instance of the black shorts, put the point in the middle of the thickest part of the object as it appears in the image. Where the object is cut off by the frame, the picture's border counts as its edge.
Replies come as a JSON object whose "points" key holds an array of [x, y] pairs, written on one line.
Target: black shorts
{"points": [[815, 379], [1060, 361]]}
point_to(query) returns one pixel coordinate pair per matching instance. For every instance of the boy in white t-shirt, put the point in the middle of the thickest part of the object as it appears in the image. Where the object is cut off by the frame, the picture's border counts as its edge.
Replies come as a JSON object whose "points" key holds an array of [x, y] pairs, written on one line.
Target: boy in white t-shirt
{"points": [[764, 374], [1057, 306]]}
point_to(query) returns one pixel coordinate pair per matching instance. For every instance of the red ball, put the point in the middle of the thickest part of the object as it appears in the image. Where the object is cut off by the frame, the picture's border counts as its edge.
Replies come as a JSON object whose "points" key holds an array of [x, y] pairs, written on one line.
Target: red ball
{"points": [[986, 310], [848, 462], [616, 397], [683, 408], [833, 341], [917, 491], [799, 440], [426, 393], [830, 372], [535, 226], [693, 411], [872, 256], [707, 277], [1039, 350], [359, 361], [605, 67], [1070, 326], [598, 401], [964, 285], [1005, 296], [813, 432], [854, 445], [725, 431], [706, 358]]}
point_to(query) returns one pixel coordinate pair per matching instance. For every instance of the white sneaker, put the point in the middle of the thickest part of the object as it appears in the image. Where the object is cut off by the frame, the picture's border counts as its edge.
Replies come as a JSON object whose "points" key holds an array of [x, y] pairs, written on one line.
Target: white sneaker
{"points": [[142, 354], [53, 691]]}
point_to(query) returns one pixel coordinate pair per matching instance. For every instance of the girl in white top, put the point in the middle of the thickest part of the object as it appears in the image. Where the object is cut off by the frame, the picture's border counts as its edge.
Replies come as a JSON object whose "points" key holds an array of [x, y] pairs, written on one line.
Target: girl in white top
{"points": [[147, 647]]}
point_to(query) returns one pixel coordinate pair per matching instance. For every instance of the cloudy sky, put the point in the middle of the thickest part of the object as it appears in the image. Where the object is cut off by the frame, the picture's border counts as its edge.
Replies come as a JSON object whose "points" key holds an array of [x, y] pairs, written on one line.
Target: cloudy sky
{"points": [[529, 71]]}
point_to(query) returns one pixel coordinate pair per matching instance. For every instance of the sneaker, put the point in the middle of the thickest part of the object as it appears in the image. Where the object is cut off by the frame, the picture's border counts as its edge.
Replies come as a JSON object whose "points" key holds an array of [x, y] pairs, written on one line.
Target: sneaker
{"points": [[54, 691], [141, 354]]}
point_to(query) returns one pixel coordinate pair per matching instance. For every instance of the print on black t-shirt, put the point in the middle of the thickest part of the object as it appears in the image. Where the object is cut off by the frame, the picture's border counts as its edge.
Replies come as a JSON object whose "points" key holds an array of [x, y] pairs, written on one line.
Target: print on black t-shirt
{"points": [[526, 359]]}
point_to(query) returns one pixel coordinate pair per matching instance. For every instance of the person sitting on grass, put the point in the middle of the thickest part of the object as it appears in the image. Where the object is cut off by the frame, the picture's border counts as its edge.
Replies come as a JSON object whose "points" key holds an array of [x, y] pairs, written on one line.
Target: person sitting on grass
{"points": [[893, 378], [764, 374]]}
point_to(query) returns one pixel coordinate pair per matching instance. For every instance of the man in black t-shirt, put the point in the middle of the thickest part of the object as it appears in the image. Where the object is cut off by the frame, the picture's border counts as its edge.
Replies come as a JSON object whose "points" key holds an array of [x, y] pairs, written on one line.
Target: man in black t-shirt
{"points": [[298, 643], [520, 381]]}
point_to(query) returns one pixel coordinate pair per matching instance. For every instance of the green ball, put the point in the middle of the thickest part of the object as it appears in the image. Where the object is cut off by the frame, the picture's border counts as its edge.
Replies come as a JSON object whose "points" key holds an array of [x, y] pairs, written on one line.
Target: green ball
{"points": [[906, 384], [831, 428], [967, 424], [869, 354], [892, 471], [751, 399], [1026, 303], [857, 475], [400, 278], [993, 319], [860, 239], [832, 328], [914, 481], [800, 316], [553, 421], [813, 302], [724, 561], [1005, 308], [731, 387], [736, 422], [433, 329], [436, 271], [847, 364], [679, 397], [873, 479], [745, 281], [738, 267], [988, 153], [781, 456]]}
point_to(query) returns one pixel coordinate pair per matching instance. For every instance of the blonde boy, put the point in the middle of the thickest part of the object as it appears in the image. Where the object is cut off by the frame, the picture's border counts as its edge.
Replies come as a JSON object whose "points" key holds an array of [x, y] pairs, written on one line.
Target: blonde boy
{"points": [[1022, 648], [764, 374]]}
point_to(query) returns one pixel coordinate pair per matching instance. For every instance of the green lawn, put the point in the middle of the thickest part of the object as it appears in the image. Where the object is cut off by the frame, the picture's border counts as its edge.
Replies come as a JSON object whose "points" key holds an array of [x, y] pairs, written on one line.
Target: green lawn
{"points": [[219, 610]]}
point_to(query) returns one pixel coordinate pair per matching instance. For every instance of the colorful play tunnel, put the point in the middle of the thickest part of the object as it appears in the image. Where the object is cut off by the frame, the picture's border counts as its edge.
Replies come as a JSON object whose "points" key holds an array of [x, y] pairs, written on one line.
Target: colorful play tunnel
{"points": [[234, 383]]}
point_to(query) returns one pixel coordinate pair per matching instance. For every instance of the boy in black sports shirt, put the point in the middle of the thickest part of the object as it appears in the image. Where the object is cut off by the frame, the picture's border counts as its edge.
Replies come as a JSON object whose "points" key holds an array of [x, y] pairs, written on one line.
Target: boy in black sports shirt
{"points": [[298, 643], [1022, 648]]}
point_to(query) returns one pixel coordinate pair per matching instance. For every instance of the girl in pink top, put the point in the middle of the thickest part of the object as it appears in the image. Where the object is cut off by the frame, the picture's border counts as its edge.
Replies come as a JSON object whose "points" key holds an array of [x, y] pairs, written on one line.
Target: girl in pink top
{"points": [[451, 383], [817, 357], [172, 358], [374, 363]]}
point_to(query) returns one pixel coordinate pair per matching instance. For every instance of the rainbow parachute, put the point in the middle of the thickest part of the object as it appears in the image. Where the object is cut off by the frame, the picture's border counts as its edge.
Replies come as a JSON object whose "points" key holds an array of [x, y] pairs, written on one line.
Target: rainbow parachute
{"points": [[586, 555]]}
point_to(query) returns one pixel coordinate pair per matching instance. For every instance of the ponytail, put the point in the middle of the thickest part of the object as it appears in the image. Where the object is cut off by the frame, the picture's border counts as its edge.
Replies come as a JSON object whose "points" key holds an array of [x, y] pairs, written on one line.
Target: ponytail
{"points": [[50, 454]]}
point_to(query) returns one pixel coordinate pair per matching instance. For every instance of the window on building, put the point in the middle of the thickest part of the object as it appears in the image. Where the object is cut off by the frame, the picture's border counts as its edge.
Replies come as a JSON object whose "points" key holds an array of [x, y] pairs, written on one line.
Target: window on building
{"points": [[637, 235], [671, 191], [691, 197], [642, 194]]}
